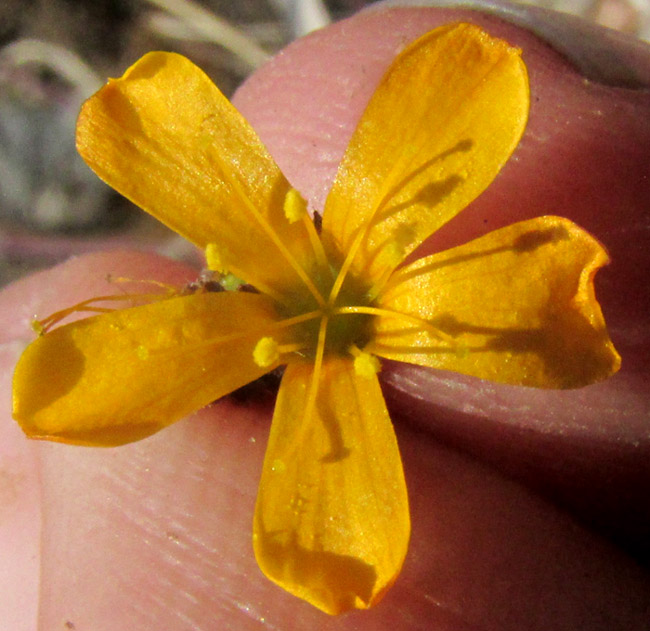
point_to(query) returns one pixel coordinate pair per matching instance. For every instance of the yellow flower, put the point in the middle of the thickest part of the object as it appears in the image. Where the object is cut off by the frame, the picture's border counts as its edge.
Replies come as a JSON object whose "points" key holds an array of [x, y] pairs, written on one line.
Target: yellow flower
{"points": [[516, 306]]}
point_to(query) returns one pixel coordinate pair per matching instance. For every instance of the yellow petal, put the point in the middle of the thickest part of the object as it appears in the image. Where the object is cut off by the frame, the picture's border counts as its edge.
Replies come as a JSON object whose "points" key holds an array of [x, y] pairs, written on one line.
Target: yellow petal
{"points": [[165, 137], [441, 124], [121, 376], [515, 306], [332, 522]]}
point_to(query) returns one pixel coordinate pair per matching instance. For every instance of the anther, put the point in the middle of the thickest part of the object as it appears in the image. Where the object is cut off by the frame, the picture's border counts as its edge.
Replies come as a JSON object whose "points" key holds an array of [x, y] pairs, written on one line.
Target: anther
{"points": [[365, 364], [267, 351], [214, 258], [295, 207], [37, 327]]}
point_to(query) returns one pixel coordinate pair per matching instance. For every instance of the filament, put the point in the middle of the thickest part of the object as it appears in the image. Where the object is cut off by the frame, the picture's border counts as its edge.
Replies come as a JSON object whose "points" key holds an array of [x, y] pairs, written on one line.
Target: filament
{"points": [[388, 313]]}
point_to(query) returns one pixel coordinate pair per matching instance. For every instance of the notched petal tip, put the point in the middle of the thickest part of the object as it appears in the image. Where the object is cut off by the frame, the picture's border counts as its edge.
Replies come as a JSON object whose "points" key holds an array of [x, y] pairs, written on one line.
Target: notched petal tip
{"points": [[520, 303], [334, 583]]}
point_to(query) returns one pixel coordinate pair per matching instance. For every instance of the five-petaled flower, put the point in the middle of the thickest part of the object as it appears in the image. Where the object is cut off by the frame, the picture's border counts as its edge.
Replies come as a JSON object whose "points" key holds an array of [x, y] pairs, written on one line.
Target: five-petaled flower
{"points": [[516, 305]]}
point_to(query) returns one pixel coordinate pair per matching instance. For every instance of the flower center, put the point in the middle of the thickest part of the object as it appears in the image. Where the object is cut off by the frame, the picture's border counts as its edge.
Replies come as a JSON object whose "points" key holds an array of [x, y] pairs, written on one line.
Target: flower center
{"points": [[318, 329], [334, 326], [330, 315]]}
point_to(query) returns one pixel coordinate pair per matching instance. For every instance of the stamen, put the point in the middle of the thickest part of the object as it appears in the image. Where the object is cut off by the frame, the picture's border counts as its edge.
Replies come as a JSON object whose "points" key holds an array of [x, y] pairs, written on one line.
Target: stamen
{"points": [[267, 351], [388, 190], [295, 207], [37, 327], [318, 367], [398, 315], [316, 243], [314, 384], [365, 364], [171, 289], [273, 235], [216, 260], [343, 272], [85, 306]]}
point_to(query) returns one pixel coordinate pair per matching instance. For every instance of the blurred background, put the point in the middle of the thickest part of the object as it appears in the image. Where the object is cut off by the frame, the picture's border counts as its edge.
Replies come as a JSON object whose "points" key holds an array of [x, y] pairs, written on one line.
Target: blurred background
{"points": [[56, 53]]}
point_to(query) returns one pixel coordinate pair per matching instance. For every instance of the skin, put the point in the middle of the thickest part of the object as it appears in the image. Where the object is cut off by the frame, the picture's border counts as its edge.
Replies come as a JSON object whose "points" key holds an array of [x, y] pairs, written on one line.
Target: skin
{"points": [[529, 507]]}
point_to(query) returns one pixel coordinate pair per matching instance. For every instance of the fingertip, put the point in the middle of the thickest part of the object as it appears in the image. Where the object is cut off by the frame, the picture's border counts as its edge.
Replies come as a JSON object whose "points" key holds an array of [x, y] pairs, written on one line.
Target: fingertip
{"points": [[600, 54]]}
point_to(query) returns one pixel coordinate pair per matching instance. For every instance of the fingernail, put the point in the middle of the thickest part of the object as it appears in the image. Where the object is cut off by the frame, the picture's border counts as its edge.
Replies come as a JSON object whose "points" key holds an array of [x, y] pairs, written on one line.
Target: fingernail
{"points": [[600, 54]]}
